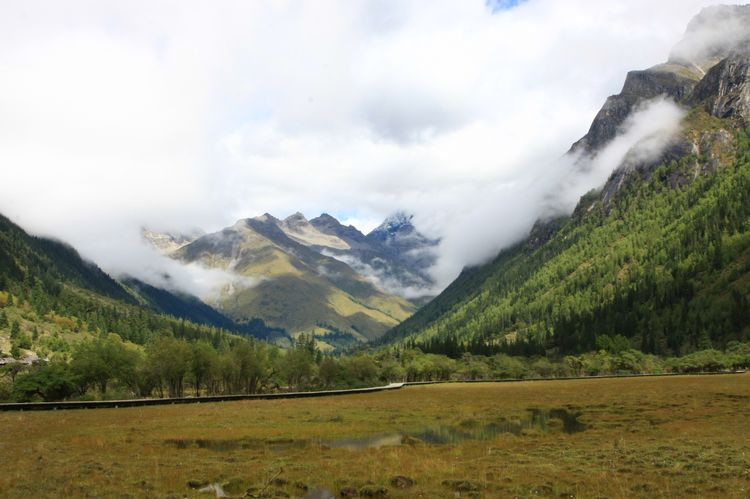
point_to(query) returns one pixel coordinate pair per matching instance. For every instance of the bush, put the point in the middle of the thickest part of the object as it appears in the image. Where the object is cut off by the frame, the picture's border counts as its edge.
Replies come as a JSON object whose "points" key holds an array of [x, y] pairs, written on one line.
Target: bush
{"points": [[613, 344], [705, 360], [48, 382], [505, 366]]}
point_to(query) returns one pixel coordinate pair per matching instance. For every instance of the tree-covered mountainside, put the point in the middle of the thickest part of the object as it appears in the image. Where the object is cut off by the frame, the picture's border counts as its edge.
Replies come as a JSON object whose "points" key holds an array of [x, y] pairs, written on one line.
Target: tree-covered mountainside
{"points": [[667, 267], [62, 292], [42, 264], [188, 307], [660, 255]]}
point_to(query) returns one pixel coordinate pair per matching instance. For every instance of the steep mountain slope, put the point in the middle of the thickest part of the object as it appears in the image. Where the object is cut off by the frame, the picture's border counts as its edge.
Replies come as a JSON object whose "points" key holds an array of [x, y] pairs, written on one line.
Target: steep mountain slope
{"points": [[188, 307], [57, 298], [709, 38], [290, 283], [48, 266], [28, 258], [661, 255]]}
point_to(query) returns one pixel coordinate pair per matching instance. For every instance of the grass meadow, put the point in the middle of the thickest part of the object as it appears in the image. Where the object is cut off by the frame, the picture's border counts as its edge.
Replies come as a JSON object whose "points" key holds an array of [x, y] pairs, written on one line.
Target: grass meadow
{"points": [[646, 437]]}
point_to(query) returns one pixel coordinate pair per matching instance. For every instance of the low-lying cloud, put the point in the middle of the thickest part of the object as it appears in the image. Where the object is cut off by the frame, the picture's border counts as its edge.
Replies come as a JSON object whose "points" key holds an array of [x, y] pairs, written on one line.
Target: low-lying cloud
{"points": [[146, 263], [384, 278], [504, 214], [717, 30]]}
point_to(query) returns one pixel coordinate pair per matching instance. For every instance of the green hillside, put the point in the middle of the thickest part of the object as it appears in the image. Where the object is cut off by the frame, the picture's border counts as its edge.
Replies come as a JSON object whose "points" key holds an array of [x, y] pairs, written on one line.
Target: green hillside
{"points": [[41, 264], [59, 299], [666, 264]]}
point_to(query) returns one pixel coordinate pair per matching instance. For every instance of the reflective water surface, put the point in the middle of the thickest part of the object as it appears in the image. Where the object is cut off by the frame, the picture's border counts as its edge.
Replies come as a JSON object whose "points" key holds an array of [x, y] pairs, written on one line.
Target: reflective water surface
{"points": [[544, 420]]}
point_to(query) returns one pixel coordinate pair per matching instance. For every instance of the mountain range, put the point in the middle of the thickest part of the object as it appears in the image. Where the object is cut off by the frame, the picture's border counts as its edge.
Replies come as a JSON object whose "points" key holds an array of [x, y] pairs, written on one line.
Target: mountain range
{"points": [[659, 255], [315, 276]]}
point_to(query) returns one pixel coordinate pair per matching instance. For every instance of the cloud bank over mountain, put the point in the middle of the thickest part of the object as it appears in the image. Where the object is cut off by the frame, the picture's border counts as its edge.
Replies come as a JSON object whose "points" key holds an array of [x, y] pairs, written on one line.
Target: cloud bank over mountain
{"points": [[176, 115]]}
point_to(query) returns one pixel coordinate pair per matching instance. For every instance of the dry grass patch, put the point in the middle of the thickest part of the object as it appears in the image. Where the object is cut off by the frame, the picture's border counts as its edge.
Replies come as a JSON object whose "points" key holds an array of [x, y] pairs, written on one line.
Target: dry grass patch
{"points": [[645, 437]]}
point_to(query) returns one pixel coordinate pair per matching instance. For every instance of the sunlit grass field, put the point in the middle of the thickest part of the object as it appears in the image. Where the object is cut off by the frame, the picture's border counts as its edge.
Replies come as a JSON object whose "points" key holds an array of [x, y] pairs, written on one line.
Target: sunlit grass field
{"points": [[646, 437]]}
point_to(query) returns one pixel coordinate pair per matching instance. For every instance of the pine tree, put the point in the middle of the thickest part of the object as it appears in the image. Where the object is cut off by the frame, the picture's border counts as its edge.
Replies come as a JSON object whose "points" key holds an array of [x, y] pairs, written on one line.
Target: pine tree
{"points": [[15, 330], [3, 319]]}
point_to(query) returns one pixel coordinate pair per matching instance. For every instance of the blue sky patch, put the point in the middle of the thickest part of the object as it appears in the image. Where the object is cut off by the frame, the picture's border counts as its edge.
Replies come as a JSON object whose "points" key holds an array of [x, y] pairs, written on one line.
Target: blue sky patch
{"points": [[498, 5]]}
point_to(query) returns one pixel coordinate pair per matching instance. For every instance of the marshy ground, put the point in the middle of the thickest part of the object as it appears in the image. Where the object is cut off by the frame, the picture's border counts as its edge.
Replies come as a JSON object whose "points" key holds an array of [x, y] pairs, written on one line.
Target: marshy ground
{"points": [[645, 437]]}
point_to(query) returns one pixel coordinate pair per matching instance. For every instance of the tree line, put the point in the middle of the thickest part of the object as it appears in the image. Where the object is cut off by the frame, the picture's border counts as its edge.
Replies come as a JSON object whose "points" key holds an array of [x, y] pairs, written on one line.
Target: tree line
{"points": [[106, 367]]}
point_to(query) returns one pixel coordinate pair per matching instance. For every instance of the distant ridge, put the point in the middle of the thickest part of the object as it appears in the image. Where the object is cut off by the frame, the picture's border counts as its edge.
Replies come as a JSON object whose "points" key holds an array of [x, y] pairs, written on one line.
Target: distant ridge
{"points": [[314, 276]]}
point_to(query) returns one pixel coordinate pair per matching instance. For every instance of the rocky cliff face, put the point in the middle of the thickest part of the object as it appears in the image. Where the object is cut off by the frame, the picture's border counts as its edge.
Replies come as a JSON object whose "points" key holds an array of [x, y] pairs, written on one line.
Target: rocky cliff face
{"points": [[710, 55], [598, 270], [675, 82], [708, 70], [724, 90], [711, 36]]}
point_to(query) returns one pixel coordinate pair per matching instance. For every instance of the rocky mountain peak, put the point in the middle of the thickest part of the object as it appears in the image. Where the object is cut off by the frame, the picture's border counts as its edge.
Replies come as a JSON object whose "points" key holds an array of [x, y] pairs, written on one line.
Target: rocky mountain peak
{"points": [[297, 217], [326, 222], [715, 34], [712, 35], [325, 218], [296, 222], [398, 223]]}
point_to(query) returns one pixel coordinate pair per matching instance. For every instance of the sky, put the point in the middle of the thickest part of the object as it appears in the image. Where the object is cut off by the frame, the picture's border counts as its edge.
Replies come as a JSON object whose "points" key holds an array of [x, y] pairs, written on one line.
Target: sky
{"points": [[178, 115]]}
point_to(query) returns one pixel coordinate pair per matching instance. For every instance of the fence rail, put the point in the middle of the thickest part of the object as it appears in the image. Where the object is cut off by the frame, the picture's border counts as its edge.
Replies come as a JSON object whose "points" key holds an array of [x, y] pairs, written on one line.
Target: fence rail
{"points": [[99, 404]]}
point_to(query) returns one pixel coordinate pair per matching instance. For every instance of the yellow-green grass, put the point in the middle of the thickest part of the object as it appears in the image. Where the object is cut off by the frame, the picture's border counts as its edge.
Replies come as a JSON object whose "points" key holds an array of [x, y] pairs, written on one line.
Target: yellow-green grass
{"points": [[646, 437]]}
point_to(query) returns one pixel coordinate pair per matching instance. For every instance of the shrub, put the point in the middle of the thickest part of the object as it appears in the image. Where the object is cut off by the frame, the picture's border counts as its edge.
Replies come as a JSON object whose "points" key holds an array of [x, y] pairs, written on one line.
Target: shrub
{"points": [[53, 381]]}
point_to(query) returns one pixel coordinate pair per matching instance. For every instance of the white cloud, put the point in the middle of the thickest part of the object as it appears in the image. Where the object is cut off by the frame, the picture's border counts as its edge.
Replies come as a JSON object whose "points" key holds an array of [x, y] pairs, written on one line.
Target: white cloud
{"points": [[193, 278], [190, 114]]}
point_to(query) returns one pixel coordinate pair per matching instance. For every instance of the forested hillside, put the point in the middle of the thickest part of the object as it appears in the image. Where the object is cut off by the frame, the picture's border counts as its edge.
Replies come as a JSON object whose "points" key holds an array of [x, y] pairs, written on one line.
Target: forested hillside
{"points": [[666, 267], [52, 277], [67, 329], [658, 258]]}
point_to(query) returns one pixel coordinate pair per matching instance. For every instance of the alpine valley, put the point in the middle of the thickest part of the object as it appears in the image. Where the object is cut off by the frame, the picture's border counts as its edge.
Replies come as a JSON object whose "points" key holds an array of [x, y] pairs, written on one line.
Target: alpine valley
{"points": [[655, 261], [659, 255], [610, 329]]}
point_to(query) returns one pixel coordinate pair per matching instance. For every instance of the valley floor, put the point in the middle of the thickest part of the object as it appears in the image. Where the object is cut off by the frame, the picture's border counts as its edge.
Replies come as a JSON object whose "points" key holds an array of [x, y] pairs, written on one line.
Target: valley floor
{"points": [[646, 437]]}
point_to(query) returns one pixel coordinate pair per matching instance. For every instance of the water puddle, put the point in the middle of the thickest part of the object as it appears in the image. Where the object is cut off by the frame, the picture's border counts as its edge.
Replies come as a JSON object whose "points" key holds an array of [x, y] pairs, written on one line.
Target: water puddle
{"points": [[544, 420]]}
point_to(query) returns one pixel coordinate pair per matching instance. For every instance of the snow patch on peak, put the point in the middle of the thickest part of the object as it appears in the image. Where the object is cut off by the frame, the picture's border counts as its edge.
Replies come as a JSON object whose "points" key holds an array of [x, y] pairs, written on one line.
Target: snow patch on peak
{"points": [[395, 223]]}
